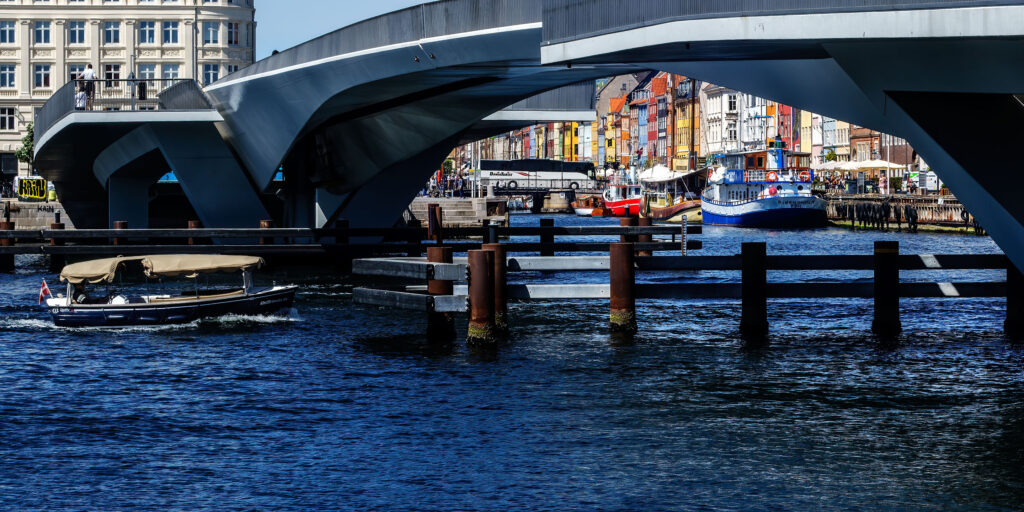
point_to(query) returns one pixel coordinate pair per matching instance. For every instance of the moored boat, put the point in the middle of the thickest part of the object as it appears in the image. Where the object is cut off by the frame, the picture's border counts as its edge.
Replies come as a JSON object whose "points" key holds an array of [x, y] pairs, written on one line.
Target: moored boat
{"points": [[669, 195], [584, 205], [622, 197], [117, 309], [763, 189]]}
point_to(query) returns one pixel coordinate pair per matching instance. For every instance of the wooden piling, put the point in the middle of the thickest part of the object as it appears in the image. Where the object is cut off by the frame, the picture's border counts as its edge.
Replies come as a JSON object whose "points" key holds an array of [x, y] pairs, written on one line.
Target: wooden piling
{"points": [[440, 326], [623, 288], [644, 239], [7, 260], [266, 224], [547, 237], [119, 224], [887, 295], [500, 286], [629, 221], [481, 299], [1014, 326], [57, 261], [754, 310]]}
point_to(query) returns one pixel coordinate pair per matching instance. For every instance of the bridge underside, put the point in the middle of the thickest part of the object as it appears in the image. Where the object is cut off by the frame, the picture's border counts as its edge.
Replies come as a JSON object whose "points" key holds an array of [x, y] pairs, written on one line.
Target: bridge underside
{"points": [[939, 78]]}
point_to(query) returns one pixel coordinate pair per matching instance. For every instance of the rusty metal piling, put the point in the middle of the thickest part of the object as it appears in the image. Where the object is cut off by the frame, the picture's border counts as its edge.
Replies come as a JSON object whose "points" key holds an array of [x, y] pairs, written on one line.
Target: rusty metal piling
{"points": [[501, 323], [57, 261], [481, 331], [623, 288], [440, 326], [644, 222]]}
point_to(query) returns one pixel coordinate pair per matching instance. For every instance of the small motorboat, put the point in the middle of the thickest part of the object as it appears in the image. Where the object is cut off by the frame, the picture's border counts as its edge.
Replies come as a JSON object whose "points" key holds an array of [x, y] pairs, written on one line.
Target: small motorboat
{"points": [[585, 205], [77, 309]]}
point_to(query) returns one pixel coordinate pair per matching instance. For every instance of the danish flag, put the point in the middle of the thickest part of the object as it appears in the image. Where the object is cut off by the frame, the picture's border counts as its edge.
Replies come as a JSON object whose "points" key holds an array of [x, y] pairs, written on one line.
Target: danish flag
{"points": [[44, 291]]}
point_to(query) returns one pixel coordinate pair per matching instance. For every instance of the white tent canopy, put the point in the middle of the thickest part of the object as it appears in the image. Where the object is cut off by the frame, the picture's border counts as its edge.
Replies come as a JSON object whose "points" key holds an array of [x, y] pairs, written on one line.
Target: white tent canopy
{"points": [[660, 174]]}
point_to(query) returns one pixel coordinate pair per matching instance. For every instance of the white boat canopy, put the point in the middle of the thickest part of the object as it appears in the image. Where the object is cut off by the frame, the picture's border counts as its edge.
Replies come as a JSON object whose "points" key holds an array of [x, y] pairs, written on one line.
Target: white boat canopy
{"points": [[162, 265], [660, 174]]}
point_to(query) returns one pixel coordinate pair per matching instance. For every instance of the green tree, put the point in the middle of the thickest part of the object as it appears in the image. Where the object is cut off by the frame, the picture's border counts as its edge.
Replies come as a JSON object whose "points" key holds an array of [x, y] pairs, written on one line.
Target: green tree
{"points": [[26, 153], [831, 156]]}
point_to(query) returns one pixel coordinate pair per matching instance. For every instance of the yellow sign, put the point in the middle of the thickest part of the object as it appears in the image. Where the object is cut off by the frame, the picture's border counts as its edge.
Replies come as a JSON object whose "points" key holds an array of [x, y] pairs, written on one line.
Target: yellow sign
{"points": [[32, 188]]}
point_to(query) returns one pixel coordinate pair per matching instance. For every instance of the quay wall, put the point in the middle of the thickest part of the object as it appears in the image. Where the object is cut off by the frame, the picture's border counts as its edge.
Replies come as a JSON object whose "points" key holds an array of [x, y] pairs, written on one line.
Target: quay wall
{"points": [[36, 215]]}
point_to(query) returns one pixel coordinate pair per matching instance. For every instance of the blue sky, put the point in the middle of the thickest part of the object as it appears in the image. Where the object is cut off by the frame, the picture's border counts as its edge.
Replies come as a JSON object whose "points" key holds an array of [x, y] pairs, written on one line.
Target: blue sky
{"points": [[286, 23]]}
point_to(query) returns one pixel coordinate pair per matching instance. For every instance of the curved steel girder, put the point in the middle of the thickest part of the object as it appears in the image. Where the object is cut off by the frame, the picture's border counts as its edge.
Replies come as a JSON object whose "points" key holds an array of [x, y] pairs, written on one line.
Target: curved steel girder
{"points": [[266, 113]]}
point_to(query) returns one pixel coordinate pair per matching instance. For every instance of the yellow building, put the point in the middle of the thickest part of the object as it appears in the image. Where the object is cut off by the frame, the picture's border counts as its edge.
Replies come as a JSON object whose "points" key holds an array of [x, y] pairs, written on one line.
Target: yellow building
{"points": [[687, 134], [806, 137]]}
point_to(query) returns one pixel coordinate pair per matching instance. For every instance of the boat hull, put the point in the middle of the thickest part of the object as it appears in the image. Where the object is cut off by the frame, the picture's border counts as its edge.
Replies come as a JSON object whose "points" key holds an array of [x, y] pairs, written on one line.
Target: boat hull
{"points": [[127, 315], [584, 212], [775, 213], [690, 210], [622, 208]]}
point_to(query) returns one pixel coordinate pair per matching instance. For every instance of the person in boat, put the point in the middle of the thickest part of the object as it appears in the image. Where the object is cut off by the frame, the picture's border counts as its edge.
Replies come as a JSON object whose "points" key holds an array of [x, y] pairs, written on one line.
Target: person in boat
{"points": [[79, 295]]}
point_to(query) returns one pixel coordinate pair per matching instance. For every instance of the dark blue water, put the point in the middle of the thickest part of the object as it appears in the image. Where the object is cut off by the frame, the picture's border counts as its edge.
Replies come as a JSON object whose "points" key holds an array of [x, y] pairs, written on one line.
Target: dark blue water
{"points": [[343, 408]]}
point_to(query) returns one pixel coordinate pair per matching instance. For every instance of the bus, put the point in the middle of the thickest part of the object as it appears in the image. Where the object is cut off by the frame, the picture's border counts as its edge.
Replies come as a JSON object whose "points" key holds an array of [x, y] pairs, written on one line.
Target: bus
{"points": [[537, 174]]}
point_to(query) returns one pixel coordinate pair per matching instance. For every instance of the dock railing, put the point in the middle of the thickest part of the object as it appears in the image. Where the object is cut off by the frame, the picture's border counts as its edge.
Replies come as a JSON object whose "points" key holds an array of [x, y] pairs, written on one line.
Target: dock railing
{"points": [[885, 290], [337, 243]]}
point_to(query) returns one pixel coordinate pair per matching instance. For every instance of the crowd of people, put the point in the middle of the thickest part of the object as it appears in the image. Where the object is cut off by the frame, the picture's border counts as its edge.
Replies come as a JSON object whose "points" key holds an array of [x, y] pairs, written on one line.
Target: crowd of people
{"points": [[441, 184]]}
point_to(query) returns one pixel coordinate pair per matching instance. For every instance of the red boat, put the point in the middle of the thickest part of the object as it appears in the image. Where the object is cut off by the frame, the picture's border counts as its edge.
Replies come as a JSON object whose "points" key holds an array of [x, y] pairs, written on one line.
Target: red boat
{"points": [[621, 200]]}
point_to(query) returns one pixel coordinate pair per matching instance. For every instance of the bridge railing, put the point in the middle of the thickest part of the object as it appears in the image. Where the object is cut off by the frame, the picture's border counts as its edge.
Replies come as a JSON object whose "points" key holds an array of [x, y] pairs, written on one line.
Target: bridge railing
{"points": [[566, 20], [120, 95]]}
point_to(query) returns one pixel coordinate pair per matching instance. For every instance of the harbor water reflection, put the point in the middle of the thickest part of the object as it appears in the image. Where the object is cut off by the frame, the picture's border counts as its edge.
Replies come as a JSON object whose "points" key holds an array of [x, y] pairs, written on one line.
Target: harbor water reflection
{"points": [[339, 407]]}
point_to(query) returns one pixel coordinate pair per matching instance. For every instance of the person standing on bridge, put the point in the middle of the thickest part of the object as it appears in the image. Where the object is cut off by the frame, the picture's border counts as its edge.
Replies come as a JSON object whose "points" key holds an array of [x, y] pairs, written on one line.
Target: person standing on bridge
{"points": [[88, 78]]}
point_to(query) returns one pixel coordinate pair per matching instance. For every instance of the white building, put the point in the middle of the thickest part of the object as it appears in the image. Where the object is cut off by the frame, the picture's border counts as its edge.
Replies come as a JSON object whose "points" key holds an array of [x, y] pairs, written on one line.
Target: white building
{"points": [[46, 43], [719, 115]]}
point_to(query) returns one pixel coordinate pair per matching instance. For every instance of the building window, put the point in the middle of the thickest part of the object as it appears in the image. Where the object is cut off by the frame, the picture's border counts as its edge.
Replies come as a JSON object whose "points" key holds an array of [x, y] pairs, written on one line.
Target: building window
{"points": [[8, 122], [74, 70], [42, 76], [233, 33], [231, 68], [42, 32], [170, 32], [7, 76], [147, 32], [76, 32], [732, 103], [147, 72], [6, 32], [211, 32], [111, 73], [170, 71], [112, 32], [211, 73]]}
